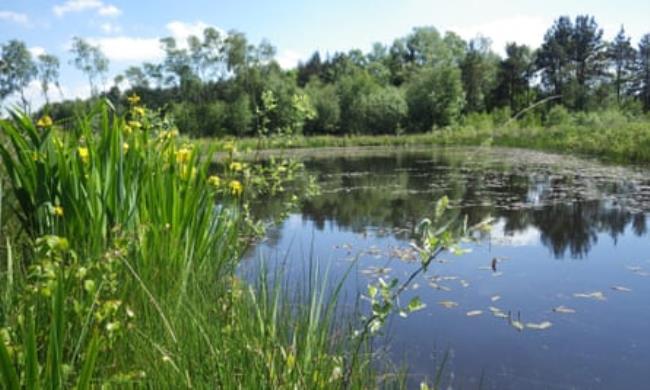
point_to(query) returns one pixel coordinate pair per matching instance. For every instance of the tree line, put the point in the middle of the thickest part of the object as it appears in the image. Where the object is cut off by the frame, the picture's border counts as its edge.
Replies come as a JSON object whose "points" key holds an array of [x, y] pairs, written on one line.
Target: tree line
{"points": [[220, 83]]}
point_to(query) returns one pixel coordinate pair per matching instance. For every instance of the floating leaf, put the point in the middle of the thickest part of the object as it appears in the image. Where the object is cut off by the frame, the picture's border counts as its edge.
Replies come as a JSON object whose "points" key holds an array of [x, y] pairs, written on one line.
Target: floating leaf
{"points": [[415, 305], [439, 286], [448, 304], [621, 289], [597, 295], [474, 313], [564, 310], [541, 326], [517, 325]]}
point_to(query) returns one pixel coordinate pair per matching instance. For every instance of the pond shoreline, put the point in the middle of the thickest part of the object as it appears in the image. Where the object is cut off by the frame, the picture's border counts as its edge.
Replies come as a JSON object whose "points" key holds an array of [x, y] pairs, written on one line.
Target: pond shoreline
{"points": [[626, 145]]}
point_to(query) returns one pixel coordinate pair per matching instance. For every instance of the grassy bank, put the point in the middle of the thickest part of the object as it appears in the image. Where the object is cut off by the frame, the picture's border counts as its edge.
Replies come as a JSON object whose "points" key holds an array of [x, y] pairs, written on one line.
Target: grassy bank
{"points": [[119, 250], [608, 135]]}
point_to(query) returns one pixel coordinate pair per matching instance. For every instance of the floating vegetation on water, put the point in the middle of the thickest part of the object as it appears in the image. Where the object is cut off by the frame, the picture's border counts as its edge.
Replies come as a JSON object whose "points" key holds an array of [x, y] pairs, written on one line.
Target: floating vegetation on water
{"points": [[621, 289], [498, 313], [517, 325], [376, 272], [448, 304], [474, 313], [539, 326], [564, 310], [439, 286], [406, 254], [597, 295]]}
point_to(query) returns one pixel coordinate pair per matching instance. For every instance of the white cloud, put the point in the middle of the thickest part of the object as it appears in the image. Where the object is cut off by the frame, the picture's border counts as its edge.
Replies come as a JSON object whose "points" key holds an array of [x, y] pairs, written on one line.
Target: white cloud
{"points": [[125, 48], [110, 28], [86, 5], [36, 51], [288, 59], [139, 49], [109, 10], [14, 17], [522, 29]]}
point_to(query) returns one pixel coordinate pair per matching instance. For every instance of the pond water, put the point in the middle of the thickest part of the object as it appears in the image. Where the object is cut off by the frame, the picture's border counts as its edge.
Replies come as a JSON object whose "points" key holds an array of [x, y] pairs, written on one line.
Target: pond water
{"points": [[570, 239]]}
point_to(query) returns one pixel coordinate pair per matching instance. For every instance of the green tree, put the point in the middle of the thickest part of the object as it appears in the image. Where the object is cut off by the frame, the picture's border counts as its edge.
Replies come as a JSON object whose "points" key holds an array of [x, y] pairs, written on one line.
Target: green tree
{"points": [[554, 56], [177, 64], [478, 70], [435, 97], [385, 111], [312, 68], [622, 56], [326, 103], [17, 70], [48, 74], [154, 72], [137, 77], [90, 60], [642, 79], [588, 56], [513, 78]]}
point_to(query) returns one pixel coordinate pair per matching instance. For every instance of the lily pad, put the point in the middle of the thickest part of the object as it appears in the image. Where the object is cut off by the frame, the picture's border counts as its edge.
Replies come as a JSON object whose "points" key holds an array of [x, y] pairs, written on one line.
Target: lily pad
{"points": [[597, 295], [539, 326], [448, 304], [517, 325], [564, 310]]}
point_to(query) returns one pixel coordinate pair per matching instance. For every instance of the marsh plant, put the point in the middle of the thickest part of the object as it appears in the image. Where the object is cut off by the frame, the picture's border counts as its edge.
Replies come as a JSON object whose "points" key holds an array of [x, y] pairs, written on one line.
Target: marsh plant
{"points": [[120, 246]]}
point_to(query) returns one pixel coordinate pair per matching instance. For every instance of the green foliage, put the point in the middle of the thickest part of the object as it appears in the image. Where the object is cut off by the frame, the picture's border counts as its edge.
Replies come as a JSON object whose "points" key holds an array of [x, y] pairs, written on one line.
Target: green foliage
{"points": [[129, 241], [17, 70], [558, 116], [90, 60], [328, 110], [435, 97], [385, 111]]}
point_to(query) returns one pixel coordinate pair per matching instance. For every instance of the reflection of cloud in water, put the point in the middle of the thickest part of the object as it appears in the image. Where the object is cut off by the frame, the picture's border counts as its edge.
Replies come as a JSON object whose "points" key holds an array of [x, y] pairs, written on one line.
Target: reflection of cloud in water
{"points": [[526, 237]]}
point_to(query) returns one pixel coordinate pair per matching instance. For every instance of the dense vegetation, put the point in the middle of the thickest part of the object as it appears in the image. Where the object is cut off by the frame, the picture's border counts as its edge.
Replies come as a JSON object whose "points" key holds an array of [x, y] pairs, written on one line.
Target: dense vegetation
{"points": [[119, 255], [218, 84], [611, 135]]}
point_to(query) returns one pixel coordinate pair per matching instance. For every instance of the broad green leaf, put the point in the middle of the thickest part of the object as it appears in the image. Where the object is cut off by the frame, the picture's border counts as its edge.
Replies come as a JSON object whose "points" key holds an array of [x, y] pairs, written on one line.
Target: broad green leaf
{"points": [[415, 305]]}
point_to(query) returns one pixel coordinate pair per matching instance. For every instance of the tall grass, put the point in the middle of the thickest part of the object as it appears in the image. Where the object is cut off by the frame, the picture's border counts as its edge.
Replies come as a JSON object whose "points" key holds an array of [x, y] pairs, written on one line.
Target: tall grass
{"points": [[610, 135], [121, 252]]}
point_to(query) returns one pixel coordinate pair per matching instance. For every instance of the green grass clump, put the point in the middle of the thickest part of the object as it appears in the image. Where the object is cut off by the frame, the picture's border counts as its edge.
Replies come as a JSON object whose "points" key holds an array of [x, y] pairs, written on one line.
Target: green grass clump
{"points": [[120, 254], [610, 135]]}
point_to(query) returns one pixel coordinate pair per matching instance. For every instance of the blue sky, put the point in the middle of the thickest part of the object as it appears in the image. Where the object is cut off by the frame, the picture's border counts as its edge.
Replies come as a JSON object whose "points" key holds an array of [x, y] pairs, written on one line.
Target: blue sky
{"points": [[128, 31]]}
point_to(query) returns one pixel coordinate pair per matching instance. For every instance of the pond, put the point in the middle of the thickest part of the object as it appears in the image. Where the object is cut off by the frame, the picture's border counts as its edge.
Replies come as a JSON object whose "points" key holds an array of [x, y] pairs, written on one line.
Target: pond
{"points": [[569, 242]]}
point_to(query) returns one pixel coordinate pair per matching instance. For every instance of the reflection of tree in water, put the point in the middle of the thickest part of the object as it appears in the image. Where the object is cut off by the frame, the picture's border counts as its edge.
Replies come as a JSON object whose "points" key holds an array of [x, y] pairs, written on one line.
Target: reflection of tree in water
{"points": [[398, 192]]}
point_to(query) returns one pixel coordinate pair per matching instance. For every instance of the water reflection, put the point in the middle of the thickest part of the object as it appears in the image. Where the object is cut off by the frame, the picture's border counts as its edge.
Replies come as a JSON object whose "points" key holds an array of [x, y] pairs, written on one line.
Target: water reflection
{"points": [[569, 205], [545, 207]]}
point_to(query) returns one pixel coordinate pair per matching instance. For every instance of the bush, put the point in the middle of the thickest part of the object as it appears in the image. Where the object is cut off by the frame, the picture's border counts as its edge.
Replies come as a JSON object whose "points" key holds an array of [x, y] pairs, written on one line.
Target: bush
{"points": [[384, 111], [558, 116], [434, 97]]}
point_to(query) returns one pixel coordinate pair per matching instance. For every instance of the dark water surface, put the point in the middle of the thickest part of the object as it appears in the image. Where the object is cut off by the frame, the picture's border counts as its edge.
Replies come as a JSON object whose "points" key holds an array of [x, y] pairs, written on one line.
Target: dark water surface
{"points": [[563, 226]]}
